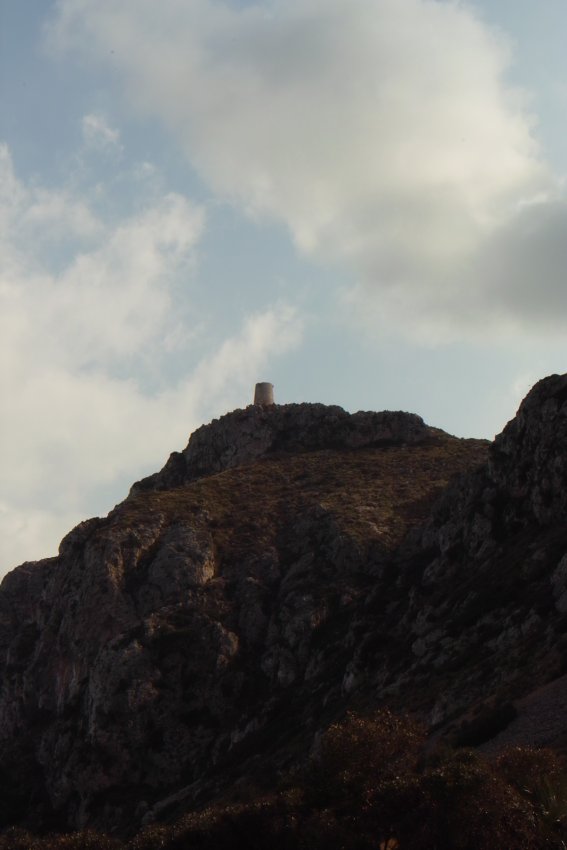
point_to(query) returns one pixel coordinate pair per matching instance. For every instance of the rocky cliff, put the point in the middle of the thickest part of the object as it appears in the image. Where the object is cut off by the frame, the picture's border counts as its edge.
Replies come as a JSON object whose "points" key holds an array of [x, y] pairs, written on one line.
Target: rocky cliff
{"points": [[290, 562]]}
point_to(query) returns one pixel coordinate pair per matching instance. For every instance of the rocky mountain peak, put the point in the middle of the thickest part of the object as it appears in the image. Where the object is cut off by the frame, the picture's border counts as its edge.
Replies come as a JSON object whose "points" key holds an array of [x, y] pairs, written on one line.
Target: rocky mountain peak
{"points": [[529, 458], [259, 430]]}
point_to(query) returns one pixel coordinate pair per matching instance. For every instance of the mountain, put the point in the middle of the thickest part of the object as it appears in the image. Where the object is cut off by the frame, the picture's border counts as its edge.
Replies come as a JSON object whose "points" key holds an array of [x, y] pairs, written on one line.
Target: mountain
{"points": [[292, 562]]}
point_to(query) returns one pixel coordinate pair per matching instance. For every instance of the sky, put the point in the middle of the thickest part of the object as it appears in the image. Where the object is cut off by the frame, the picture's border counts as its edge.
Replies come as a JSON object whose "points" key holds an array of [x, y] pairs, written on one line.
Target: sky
{"points": [[361, 201]]}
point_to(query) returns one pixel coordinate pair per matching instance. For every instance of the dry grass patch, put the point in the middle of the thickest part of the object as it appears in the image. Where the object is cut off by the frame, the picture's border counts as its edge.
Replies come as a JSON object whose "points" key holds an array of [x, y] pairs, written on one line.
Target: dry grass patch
{"points": [[373, 494]]}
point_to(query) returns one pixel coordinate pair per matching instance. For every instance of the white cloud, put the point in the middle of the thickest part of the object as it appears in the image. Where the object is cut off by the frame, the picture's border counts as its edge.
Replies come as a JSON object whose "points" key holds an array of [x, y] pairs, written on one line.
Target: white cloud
{"points": [[98, 134], [382, 132], [31, 216], [79, 335], [25, 533], [511, 288], [108, 300]]}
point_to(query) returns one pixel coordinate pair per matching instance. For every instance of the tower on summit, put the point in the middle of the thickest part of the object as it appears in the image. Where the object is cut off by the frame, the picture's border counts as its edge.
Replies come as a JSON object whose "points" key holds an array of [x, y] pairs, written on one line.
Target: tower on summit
{"points": [[264, 394]]}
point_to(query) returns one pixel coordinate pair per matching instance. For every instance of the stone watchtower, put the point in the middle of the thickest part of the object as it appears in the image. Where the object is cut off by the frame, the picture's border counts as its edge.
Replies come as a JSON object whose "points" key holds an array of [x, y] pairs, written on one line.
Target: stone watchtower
{"points": [[264, 394]]}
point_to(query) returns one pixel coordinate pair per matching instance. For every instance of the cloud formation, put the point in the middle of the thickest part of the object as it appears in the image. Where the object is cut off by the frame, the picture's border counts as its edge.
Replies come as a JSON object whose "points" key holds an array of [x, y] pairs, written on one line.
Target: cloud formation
{"points": [[85, 333], [98, 134], [383, 133]]}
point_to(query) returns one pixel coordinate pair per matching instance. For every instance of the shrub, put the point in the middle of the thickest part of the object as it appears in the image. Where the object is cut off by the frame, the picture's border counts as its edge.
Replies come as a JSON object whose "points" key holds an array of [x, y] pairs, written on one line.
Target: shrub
{"points": [[465, 805], [541, 777], [360, 754], [364, 776], [19, 839]]}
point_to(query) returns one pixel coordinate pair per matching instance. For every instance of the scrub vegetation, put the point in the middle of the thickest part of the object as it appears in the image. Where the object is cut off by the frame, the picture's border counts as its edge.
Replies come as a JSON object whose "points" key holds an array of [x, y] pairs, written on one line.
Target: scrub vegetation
{"points": [[374, 494], [374, 783]]}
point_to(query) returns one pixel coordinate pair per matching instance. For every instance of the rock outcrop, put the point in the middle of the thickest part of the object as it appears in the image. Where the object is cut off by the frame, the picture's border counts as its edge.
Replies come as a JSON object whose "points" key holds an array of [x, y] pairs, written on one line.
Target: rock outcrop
{"points": [[290, 562], [246, 435]]}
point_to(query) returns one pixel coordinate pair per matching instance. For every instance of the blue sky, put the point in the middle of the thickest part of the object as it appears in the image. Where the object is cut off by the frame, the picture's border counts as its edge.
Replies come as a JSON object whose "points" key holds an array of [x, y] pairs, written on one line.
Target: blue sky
{"points": [[362, 201]]}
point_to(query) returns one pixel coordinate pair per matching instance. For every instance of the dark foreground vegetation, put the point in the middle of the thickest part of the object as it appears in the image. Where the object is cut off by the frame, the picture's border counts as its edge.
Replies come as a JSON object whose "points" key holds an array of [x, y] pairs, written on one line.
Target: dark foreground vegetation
{"points": [[373, 785]]}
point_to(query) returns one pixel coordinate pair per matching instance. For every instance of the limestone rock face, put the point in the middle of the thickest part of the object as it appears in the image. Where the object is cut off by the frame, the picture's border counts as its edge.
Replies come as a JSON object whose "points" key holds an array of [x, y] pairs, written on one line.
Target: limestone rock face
{"points": [[289, 563], [489, 589]]}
